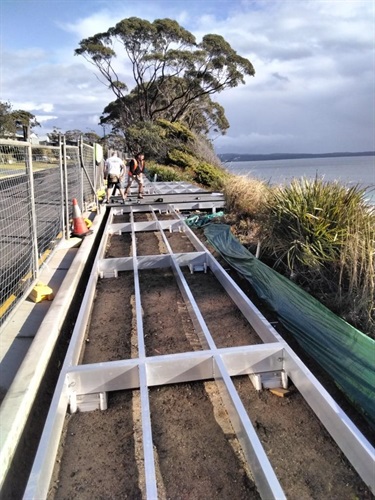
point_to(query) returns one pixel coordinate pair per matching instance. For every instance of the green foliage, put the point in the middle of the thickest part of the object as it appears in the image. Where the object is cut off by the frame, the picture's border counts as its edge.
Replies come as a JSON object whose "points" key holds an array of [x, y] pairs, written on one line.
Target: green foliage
{"points": [[96, 47], [54, 135], [117, 115], [323, 235], [182, 159], [201, 116], [147, 137], [7, 124], [174, 76], [184, 151], [164, 173], [24, 119], [176, 131], [224, 67], [73, 136], [209, 175], [13, 121], [205, 116], [91, 138], [309, 220], [174, 145]]}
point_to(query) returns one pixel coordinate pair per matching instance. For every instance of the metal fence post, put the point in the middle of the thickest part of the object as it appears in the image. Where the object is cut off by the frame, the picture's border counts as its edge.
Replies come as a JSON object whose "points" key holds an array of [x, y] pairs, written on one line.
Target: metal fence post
{"points": [[62, 143], [62, 207], [81, 170], [32, 210]]}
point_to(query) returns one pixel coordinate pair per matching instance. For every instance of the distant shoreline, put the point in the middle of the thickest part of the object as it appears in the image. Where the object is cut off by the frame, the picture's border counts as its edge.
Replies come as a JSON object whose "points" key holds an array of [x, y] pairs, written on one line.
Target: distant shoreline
{"points": [[226, 157]]}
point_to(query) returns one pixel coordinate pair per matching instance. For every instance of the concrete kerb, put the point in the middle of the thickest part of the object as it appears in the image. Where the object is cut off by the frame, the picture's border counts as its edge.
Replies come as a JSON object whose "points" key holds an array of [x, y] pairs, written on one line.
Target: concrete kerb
{"points": [[18, 402]]}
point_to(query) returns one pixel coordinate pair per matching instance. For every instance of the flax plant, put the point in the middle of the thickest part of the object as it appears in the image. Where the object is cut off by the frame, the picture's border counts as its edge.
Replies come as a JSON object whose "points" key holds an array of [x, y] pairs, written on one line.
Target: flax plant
{"points": [[321, 234]]}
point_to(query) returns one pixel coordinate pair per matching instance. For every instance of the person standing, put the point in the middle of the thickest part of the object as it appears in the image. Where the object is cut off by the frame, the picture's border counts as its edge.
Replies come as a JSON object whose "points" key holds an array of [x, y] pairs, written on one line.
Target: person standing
{"points": [[135, 173], [114, 172]]}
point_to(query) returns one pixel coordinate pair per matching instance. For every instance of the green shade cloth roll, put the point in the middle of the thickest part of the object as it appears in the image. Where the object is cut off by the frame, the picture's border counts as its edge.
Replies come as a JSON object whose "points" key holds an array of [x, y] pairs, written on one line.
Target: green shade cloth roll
{"points": [[345, 353], [200, 220]]}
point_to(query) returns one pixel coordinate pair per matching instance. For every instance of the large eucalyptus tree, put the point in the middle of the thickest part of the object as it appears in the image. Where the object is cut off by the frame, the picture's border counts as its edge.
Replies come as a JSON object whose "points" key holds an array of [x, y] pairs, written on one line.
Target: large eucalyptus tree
{"points": [[174, 75]]}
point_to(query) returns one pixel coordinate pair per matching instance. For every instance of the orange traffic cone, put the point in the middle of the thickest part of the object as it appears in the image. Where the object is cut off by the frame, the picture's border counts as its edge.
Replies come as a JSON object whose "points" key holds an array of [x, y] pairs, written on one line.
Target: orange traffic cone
{"points": [[79, 225]]}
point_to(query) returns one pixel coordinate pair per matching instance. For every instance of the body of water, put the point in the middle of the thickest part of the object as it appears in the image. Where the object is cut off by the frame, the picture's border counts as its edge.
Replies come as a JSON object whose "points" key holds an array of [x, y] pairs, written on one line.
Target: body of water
{"points": [[348, 170]]}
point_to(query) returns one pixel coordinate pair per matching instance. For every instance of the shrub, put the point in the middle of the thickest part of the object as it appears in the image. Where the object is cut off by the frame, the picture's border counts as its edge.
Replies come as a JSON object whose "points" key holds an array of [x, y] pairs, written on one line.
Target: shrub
{"points": [[208, 175], [182, 159], [148, 138], [163, 173], [176, 130]]}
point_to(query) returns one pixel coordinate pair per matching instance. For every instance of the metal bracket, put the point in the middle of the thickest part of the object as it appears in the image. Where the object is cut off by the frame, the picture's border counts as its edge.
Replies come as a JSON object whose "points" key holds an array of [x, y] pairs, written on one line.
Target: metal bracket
{"points": [[109, 274], [195, 268], [269, 380], [176, 229], [88, 402]]}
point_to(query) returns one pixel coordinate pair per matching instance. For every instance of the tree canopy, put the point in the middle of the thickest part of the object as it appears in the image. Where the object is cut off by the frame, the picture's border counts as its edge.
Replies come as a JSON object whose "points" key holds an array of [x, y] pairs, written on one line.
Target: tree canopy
{"points": [[73, 136], [174, 75], [13, 121]]}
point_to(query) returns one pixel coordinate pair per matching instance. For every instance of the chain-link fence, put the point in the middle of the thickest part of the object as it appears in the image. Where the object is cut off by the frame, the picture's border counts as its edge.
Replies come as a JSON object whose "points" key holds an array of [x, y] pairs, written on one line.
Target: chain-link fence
{"points": [[37, 185]]}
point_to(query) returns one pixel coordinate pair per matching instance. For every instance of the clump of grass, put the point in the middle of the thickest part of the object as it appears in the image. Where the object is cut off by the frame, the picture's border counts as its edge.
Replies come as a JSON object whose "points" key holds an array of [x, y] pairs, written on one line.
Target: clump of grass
{"points": [[322, 235], [245, 200], [245, 196], [356, 298]]}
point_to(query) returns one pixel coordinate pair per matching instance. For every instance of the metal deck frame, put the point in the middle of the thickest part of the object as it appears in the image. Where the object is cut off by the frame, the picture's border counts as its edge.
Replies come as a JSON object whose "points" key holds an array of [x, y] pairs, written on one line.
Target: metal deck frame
{"points": [[274, 357]]}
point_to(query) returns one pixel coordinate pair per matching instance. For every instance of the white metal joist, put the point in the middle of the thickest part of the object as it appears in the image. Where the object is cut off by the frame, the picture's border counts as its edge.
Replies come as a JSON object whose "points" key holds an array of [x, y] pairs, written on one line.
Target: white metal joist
{"points": [[210, 363]]}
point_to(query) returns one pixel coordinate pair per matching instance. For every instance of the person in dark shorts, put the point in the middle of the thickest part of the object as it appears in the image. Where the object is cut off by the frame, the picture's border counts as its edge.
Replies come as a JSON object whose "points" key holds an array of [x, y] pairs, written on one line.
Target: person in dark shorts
{"points": [[114, 172], [135, 173]]}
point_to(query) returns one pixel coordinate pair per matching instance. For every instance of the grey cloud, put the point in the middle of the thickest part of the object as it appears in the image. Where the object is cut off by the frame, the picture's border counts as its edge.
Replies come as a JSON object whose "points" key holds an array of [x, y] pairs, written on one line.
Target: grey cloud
{"points": [[61, 85], [313, 89], [280, 77]]}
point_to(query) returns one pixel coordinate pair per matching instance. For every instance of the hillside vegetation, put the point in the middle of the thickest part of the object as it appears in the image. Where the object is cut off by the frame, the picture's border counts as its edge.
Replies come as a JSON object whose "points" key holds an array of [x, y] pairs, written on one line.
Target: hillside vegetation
{"points": [[319, 234]]}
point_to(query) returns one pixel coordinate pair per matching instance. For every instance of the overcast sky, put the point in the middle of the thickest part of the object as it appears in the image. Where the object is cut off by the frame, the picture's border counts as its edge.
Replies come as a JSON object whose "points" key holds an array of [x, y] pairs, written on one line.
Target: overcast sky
{"points": [[313, 92]]}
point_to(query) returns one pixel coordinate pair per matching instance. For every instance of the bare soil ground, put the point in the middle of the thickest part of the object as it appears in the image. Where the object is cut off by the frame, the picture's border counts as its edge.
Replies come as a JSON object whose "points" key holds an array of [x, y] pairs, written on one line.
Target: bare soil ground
{"points": [[197, 453]]}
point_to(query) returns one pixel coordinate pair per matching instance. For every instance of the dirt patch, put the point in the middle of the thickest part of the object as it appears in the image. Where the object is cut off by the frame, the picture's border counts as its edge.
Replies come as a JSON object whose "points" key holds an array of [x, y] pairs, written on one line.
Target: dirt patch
{"points": [[197, 454]]}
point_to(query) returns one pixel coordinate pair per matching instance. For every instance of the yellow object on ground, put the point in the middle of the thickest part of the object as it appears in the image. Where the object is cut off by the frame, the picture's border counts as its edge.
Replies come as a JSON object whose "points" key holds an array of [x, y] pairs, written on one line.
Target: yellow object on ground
{"points": [[41, 292], [100, 193], [88, 223]]}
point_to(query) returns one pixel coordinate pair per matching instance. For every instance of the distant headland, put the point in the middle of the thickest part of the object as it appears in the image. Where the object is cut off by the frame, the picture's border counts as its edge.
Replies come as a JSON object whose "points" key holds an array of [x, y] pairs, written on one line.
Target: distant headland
{"points": [[226, 157]]}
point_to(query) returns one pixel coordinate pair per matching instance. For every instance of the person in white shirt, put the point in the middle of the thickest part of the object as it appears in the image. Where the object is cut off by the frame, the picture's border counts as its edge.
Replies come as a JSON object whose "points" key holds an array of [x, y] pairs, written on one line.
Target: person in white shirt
{"points": [[114, 172]]}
